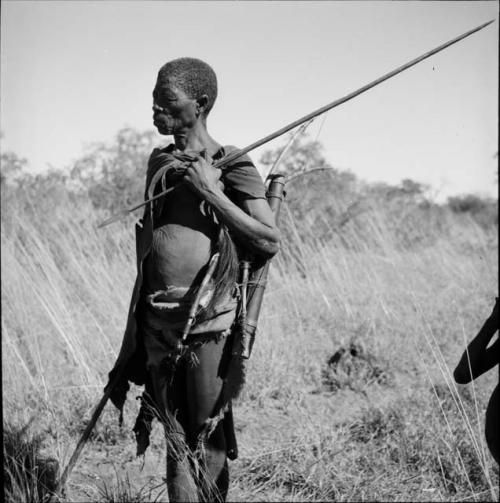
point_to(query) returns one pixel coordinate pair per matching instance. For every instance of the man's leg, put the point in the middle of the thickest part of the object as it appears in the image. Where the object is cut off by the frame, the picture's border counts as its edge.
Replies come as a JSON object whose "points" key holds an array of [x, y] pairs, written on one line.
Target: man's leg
{"points": [[204, 386], [171, 404]]}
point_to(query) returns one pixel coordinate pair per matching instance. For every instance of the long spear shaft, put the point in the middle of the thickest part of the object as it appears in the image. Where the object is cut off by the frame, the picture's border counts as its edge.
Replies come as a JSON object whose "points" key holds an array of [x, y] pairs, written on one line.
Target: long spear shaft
{"points": [[238, 153], [352, 95]]}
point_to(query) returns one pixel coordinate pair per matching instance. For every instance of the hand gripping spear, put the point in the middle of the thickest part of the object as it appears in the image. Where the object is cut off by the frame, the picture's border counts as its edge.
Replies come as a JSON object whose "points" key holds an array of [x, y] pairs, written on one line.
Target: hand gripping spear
{"points": [[226, 160], [238, 153]]}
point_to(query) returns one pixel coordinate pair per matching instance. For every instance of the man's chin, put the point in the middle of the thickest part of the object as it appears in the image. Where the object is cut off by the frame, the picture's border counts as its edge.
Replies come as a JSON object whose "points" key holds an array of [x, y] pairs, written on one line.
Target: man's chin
{"points": [[164, 131]]}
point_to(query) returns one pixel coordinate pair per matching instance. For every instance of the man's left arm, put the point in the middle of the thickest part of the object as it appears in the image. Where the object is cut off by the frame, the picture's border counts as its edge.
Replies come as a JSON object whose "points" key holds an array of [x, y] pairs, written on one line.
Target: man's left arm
{"points": [[253, 223]]}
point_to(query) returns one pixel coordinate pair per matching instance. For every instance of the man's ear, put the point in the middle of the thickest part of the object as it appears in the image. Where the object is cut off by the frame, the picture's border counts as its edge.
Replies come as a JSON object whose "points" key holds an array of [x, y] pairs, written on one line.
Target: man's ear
{"points": [[201, 103]]}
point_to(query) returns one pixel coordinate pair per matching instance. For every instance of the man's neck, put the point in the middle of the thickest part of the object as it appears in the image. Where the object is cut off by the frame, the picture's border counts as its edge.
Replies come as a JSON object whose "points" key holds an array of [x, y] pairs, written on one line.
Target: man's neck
{"points": [[196, 140]]}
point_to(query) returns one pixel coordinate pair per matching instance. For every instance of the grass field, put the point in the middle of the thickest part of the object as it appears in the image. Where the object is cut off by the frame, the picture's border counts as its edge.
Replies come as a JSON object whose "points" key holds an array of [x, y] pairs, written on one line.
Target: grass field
{"points": [[381, 420]]}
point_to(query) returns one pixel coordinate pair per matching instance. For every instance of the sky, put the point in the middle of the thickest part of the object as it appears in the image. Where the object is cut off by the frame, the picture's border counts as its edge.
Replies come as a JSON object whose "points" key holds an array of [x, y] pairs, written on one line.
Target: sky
{"points": [[75, 72]]}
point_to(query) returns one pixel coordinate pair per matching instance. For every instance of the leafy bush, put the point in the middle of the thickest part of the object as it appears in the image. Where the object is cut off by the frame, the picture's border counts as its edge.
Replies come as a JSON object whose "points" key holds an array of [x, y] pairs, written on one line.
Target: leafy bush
{"points": [[483, 210], [113, 174]]}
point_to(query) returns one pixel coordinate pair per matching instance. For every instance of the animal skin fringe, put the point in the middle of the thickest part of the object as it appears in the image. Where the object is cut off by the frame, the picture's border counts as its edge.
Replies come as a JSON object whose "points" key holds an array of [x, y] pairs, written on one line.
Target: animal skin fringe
{"points": [[210, 425], [226, 273]]}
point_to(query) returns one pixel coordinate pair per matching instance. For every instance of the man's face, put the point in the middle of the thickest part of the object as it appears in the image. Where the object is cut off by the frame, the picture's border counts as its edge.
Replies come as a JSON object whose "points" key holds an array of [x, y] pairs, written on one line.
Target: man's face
{"points": [[173, 111]]}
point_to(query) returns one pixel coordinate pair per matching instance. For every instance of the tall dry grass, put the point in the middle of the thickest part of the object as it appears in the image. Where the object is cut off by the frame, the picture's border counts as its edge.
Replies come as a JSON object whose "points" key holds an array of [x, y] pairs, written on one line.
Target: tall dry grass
{"points": [[349, 395]]}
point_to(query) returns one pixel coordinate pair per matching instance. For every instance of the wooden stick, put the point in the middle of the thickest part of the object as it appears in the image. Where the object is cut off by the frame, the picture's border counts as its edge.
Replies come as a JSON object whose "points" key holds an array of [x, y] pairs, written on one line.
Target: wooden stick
{"points": [[86, 434]]}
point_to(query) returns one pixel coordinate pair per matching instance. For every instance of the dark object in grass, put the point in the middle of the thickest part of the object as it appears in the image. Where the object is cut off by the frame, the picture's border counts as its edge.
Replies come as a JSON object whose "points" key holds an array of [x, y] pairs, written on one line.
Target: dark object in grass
{"points": [[354, 350], [353, 366]]}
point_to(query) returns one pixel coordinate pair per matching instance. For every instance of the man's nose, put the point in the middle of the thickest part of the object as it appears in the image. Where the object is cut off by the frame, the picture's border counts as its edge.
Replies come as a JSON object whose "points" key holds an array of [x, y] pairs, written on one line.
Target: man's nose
{"points": [[156, 108]]}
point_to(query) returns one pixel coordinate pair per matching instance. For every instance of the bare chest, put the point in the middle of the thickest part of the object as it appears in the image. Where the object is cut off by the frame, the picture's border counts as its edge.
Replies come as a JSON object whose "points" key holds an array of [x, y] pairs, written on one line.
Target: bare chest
{"points": [[184, 238]]}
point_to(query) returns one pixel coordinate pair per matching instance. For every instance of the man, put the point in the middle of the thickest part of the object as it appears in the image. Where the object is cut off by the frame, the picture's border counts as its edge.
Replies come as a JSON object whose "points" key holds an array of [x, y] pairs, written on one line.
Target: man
{"points": [[211, 212]]}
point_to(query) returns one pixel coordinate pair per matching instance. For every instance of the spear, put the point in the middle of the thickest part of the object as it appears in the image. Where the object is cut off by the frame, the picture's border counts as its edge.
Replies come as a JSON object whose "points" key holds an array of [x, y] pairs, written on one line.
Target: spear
{"points": [[238, 153]]}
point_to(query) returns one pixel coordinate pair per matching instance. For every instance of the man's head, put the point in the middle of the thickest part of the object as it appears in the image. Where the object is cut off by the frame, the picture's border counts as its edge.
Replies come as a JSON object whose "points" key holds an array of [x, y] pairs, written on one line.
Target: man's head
{"points": [[186, 89]]}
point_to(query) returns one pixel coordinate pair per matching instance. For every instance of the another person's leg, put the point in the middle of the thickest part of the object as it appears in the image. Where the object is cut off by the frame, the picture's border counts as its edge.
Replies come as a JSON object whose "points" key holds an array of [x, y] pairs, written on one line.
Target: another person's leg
{"points": [[492, 422]]}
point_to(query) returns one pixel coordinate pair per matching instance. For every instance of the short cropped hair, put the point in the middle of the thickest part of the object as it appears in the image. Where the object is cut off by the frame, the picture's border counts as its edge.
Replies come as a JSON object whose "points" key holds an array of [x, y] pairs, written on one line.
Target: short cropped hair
{"points": [[193, 76]]}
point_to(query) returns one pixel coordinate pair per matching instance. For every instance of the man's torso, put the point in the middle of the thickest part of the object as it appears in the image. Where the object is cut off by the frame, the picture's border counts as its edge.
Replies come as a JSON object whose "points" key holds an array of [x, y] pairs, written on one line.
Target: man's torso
{"points": [[184, 238]]}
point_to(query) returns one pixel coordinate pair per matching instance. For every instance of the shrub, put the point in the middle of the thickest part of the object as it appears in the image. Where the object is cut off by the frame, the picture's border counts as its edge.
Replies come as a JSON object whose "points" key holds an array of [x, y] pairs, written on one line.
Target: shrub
{"points": [[27, 475]]}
